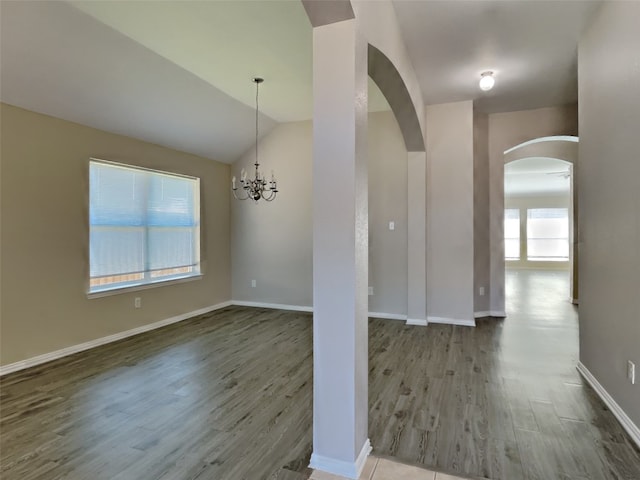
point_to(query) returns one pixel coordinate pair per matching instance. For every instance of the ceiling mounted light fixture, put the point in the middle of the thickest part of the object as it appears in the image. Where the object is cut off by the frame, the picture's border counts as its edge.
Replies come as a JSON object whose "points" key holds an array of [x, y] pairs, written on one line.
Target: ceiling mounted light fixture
{"points": [[255, 188], [487, 81]]}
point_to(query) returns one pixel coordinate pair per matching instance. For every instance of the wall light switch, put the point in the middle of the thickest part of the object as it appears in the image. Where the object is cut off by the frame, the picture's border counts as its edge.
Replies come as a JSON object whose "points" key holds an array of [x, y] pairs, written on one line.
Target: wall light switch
{"points": [[392, 225], [481, 290], [370, 290], [253, 284], [137, 302], [631, 372]]}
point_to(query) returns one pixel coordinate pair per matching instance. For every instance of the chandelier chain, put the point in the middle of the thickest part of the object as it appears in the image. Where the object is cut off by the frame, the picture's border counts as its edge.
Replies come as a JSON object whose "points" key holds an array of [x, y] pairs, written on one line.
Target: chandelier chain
{"points": [[257, 112]]}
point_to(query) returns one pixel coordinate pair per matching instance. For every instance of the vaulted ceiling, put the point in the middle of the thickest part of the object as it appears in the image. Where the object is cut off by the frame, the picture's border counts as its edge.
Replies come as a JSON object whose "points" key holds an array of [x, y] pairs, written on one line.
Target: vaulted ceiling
{"points": [[177, 73]]}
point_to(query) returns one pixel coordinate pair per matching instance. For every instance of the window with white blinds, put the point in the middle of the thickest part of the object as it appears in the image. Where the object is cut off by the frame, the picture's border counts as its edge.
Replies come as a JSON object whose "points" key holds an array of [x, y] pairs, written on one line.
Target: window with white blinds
{"points": [[144, 226], [512, 234], [548, 234]]}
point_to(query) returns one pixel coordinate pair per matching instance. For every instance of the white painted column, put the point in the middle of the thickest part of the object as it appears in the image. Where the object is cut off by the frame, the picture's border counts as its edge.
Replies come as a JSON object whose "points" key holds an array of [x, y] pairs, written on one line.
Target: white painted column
{"points": [[496, 234], [573, 219], [450, 211], [340, 250], [417, 238]]}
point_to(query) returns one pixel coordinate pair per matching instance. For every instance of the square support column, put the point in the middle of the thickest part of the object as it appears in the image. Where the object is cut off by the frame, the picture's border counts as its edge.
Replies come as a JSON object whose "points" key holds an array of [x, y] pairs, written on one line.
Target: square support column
{"points": [[417, 238], [340, 250], [450, 213]]}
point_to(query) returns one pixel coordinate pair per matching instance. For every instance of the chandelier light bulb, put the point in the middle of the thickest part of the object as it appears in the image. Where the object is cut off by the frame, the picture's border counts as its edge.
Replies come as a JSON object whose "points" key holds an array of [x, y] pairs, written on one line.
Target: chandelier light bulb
{"points": [[487, 81]]}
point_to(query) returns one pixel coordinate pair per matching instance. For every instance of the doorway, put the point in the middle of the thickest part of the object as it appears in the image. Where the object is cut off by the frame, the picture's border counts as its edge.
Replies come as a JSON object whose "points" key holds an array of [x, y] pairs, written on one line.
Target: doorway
{"points": [[538, 225], [541, 208]]}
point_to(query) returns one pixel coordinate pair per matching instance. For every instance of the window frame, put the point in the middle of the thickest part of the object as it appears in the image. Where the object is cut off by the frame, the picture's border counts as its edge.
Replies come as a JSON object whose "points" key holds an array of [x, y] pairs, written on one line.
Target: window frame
{"points": [[519, 237], [529, 239], [147, 281]]}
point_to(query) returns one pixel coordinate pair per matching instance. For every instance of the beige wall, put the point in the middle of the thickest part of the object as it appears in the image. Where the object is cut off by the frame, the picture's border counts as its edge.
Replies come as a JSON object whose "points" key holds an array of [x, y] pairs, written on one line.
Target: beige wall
{"points": [[44, 246], [387, 203], [507, 130], [450, 212], [279, 258], [609, 197], [271, 242], [481, 251]]}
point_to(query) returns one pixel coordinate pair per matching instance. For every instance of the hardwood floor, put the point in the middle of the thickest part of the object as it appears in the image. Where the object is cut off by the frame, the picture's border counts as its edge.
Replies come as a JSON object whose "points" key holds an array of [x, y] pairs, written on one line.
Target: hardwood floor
{"points": [[501, 401], [228, 395], [223, 396]]}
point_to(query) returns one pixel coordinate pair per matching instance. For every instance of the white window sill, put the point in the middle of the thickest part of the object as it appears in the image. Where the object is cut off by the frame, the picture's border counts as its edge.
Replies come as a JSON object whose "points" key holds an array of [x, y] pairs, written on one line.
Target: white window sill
{"points": [[144, 286]]}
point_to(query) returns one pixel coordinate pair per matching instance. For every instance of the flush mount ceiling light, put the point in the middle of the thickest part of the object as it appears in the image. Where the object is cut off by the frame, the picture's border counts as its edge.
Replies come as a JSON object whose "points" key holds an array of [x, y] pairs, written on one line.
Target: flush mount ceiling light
{"points": [[487, 81]]}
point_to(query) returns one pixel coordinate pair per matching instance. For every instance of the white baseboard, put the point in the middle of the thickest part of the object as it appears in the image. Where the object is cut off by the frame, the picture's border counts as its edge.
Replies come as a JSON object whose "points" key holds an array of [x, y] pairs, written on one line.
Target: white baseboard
{"points": [[47, 357], [421, 322], [304, 308], [276, 306], [340, 467], [362, 457], [452, 321], [631, 428], [493, 313], [387, 316]]}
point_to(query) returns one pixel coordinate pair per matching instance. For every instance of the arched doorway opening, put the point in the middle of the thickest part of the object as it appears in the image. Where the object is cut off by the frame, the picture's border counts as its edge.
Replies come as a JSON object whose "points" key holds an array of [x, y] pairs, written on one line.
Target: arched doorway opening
{"points": [[538, 228], [538, 189], [542, 171]]}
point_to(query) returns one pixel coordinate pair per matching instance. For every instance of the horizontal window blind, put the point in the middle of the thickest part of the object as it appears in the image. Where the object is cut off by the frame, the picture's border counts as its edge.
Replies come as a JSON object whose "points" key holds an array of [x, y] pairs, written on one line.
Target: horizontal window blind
{"points": [[512, 234], [144, 226], [548, 234]]}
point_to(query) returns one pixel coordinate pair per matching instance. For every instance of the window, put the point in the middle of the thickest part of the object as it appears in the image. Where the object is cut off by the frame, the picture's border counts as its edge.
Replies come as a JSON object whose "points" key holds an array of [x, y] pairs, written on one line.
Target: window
{"points": [[548, 234], [144, 226], [512, 234]]}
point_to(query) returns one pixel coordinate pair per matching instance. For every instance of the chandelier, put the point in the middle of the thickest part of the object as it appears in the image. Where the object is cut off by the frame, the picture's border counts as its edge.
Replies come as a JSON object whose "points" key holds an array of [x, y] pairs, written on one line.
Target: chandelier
{"points": [[255, 188]]}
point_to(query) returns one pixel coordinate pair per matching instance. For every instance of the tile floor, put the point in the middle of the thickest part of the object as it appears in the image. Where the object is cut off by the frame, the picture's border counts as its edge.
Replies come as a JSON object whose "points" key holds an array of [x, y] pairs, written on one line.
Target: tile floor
{"points": [[384, 469]]}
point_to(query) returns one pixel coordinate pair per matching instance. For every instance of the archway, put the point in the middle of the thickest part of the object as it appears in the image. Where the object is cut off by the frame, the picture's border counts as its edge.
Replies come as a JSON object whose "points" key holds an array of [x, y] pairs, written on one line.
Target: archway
{"points": [[562, 149]]}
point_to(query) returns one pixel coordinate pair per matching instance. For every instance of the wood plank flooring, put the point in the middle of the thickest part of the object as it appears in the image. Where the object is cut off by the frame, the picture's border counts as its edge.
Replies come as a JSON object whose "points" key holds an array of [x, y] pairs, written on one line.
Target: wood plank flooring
{"points": [[501, 401], [228, 395], [223, 396]]}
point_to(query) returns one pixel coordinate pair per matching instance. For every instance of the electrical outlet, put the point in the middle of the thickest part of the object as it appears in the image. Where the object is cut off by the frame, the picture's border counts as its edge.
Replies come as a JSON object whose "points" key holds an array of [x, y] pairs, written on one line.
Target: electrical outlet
{"points": [[631, 372], [137, 302], [370, 290], [481, 290], [392, 225], [253, 284]]}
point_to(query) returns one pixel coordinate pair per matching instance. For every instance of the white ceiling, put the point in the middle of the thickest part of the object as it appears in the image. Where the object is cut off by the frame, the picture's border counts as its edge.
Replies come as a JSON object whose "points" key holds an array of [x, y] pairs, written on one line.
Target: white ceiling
{"points": [[531, 45], [537, 176], [177, 73]]}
